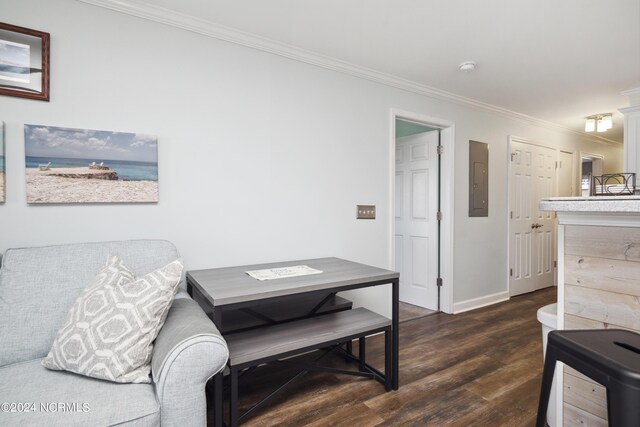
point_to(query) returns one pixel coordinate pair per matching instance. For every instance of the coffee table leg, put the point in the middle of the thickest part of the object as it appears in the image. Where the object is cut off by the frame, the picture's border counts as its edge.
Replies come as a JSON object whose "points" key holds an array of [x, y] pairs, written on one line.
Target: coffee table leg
{"points": [[217, 400], [395, 330], [387, 360], [233, 399]]}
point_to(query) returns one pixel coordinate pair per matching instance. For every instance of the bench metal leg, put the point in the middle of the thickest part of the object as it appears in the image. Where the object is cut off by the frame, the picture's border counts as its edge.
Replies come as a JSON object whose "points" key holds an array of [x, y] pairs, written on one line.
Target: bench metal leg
{"points": [[388, 385], [350, 347], [362, 353]]}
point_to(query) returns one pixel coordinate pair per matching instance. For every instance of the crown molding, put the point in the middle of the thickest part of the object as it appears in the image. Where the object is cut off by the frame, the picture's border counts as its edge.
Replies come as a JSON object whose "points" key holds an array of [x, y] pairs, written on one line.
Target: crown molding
{"points": [[633, 95], [193, 24], [629, 110], [631, 92]]}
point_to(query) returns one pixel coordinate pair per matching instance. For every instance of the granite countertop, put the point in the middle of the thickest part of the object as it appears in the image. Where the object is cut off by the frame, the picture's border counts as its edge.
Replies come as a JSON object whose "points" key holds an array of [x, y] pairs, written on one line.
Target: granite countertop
{"points": [[591, 204]]}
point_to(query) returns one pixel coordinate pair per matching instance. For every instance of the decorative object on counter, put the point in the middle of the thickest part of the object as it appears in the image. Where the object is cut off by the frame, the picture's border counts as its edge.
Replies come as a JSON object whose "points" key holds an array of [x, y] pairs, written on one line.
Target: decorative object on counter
{"points": [[614, 184], [24, 62], [2, 165], [66, 165]]}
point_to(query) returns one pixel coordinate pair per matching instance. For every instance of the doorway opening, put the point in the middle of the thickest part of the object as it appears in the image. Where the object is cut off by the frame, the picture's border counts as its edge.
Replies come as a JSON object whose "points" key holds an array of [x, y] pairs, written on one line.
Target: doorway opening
{"points": [[566, 175], [421, 218], [590, 165]]}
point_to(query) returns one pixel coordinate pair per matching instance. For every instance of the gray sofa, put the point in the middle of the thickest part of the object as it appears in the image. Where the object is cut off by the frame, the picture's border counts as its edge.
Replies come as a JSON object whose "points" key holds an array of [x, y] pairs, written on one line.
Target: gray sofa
{"points": [[37, 288]]}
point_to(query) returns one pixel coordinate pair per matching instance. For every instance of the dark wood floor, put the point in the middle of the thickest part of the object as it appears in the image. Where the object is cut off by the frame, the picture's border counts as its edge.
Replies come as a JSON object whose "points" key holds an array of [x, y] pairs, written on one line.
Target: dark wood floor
{"points": [[480, 368], [412, 312]]}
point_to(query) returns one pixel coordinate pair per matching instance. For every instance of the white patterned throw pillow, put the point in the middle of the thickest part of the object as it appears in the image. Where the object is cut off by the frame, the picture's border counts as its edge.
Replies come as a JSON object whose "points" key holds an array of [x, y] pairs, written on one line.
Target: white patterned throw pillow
{"points": [[110, 329]]}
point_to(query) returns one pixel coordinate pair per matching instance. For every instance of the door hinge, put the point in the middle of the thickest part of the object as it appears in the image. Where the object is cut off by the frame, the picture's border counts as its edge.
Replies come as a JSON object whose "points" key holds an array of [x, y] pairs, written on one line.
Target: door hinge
{"points": [[439, 282], [511, 272], [513, 156], [511, 215], [439, 216], [555, 264], [556, 165], [440, 150]]}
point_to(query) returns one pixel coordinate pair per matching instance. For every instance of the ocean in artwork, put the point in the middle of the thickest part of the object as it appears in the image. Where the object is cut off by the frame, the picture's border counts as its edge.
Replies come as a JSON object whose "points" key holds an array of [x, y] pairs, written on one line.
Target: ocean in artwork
{"points": [[1, 164], [126, 170]]}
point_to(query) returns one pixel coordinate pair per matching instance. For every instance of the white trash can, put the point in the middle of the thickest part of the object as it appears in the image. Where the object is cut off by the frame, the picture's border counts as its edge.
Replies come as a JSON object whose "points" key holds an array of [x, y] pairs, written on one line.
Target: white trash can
{"points": [[548, 317]]}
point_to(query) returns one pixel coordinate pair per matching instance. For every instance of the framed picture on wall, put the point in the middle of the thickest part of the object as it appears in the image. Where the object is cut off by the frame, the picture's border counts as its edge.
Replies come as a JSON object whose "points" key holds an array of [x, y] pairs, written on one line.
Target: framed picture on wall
{"points": [[24, 62], [68, 165]]}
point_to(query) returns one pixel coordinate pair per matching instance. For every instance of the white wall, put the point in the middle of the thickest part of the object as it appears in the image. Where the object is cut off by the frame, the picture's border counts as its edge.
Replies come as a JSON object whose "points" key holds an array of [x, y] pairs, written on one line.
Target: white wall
{"points": [[261, 158]]}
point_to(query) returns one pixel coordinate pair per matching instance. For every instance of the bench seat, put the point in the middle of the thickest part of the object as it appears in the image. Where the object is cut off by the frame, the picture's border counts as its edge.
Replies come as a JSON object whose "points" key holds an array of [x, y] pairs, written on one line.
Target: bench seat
{"points": [[271, 343], [291, 338]]}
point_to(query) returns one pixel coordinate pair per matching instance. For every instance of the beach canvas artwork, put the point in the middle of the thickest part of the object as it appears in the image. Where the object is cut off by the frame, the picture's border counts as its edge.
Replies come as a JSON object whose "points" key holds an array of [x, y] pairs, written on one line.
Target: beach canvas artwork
{"points": [[2, 167], [65, 165]]}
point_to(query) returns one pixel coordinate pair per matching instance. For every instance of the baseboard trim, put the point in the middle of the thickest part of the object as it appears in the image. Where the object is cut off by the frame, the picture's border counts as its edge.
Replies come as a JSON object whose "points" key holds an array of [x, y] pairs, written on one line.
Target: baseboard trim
{"points": [[472, 304]]}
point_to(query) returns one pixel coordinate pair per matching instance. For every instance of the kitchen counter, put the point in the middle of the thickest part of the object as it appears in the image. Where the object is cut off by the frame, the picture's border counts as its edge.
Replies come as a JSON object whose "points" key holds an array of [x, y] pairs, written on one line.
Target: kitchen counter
{"points": [[598, 286], [592, 204]]}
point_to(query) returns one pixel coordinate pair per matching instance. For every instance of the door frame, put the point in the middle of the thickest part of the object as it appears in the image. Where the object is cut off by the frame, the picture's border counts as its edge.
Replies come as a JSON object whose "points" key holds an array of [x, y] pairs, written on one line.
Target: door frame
{"points": [[514, 138], [594, 157], [447, 140]]}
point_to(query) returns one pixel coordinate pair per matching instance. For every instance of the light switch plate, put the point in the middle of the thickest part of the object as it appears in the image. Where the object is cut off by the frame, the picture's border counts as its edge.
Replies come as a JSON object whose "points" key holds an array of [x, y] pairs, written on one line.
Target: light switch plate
{"points": [[366, 212]]}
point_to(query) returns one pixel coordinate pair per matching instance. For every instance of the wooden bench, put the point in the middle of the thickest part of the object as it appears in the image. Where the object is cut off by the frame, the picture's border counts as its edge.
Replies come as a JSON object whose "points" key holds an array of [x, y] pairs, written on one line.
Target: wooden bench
{"points": [[271, 344]]}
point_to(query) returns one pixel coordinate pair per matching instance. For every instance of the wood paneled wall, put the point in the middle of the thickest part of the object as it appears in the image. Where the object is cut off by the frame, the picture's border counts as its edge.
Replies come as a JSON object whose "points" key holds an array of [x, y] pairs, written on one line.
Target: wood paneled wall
{"points": [[601, 289]]}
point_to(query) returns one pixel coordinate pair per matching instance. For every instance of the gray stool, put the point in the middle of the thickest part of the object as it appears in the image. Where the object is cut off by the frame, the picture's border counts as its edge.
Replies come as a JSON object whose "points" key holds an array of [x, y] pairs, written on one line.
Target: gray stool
{"points": [[610, 357]]}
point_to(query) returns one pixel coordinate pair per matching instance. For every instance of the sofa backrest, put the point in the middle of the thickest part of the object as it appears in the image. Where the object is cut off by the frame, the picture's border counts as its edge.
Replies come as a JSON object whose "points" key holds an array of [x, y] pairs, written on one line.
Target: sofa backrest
{"points": [[39, 285]]}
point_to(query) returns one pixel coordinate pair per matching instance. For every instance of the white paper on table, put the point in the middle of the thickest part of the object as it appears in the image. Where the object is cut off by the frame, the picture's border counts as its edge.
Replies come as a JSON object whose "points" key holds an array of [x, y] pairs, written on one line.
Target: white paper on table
{"points": [[279, 273]]}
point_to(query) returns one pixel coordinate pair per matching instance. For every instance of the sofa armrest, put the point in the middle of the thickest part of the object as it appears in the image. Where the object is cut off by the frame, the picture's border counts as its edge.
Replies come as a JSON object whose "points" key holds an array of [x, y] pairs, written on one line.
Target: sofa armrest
{"points": [[188, 351]]}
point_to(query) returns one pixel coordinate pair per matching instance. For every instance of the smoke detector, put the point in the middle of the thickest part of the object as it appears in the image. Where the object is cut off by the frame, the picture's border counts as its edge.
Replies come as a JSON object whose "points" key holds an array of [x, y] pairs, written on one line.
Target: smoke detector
{"points": [[467, 66]]}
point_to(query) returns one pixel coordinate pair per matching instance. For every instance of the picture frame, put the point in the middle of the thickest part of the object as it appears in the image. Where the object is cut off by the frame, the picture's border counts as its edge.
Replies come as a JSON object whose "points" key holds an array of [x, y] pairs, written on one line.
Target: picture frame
{"points": [[24, 62], [73, 166]]}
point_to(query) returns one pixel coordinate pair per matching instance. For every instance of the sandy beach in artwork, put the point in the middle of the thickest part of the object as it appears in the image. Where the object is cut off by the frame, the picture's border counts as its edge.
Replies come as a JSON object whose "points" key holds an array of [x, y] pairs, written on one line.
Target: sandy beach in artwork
{"points": [[49, 187], [2, 193]]}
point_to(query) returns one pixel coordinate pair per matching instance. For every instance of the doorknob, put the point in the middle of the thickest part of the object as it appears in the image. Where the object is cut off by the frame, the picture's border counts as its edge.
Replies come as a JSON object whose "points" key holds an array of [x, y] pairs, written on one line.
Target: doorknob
{"points": [[536, 225]]}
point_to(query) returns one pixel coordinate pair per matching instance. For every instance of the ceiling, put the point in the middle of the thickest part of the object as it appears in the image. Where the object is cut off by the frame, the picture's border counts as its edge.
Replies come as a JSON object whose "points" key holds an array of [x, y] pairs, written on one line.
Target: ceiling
{"points": [[404, 128], [558, 61]]}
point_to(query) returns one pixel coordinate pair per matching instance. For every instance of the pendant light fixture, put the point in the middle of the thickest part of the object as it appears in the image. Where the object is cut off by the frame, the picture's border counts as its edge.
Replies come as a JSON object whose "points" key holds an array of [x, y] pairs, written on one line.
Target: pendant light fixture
{"points": [[598, 122]]}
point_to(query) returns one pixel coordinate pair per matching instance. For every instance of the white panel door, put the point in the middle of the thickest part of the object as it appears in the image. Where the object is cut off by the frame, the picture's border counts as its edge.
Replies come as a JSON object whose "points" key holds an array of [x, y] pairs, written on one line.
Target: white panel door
{"points": [[416, 206], [532, 232]]}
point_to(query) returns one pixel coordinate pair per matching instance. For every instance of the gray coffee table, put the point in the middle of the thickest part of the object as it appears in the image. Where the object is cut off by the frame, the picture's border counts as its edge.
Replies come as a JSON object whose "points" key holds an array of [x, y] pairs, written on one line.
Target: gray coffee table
{"points": [[231, 288]]}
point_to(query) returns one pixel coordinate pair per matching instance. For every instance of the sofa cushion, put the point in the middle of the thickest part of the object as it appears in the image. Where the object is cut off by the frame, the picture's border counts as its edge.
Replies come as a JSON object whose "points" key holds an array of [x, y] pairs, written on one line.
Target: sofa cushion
{"points": [[58, 398], [109, 331], [38, 285]]}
